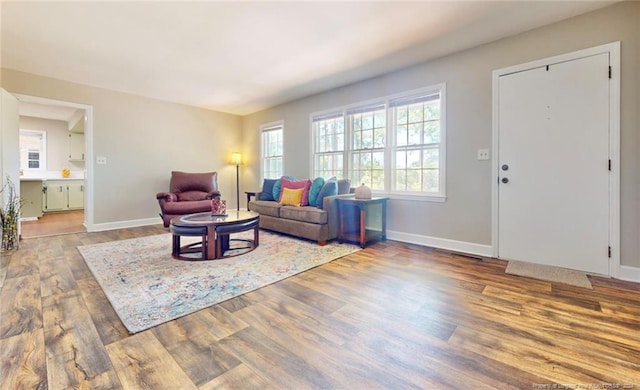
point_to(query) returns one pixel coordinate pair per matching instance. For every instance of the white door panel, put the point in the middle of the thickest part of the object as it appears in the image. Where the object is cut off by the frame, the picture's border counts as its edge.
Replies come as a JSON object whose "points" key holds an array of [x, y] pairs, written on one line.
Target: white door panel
{"points": [[554, 138]]}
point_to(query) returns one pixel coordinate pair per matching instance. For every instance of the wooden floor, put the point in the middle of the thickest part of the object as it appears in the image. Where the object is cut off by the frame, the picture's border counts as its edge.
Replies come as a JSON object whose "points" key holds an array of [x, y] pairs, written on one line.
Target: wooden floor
{"points": [[49, 224], [392, 316]]}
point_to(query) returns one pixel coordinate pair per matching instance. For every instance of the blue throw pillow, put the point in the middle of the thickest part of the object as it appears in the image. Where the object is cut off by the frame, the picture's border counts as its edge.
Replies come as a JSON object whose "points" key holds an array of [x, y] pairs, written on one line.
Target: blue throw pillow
{"points": [[329, 188], [316, 186], [344, 186], [267, 189], [277, 187]]}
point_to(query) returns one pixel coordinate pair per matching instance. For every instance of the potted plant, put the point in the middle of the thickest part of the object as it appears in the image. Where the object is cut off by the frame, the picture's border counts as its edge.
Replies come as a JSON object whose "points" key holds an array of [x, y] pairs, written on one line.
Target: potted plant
{"points": [[9, 216]]}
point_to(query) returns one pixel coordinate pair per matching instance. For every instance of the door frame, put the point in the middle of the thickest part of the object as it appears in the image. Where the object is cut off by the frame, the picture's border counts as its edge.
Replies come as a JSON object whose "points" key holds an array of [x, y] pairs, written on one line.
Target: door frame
{"points": [[613, 49], [88, 140]]}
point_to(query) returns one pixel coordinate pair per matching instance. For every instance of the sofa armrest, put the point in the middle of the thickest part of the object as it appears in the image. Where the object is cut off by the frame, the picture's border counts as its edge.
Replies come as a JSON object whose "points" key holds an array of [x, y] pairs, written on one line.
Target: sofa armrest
{"points": [[330, 205]]}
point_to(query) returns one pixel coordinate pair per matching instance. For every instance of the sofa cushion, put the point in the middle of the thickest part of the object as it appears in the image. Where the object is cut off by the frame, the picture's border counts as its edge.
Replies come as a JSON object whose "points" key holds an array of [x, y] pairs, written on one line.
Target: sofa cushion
{"points": [[277, 187], [314, 190], [197, 206], [329, 188], [308, 214], [266, 207], [297, 184], [291, 197], [267, 189]]}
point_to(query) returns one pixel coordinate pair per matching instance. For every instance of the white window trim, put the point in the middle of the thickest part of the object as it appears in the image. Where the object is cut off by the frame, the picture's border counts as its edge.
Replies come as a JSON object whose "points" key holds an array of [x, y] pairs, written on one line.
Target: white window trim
{"points": [[267, 127], [401, 195], [43, 151]]}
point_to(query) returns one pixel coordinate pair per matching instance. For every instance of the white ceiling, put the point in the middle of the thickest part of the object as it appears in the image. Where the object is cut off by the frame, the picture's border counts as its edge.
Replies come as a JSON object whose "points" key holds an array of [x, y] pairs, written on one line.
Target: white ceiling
{"points": [[241, 57], [47, 111]]}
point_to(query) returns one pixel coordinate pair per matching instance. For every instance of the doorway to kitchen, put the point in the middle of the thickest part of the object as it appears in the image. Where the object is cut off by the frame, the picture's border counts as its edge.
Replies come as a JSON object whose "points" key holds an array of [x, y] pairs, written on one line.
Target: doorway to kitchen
{"points": [[56, 191]]}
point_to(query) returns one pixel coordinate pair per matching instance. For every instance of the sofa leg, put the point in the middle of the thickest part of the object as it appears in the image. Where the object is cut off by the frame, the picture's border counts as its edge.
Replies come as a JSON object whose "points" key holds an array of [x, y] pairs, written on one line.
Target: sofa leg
{"points": [[322, 243]]}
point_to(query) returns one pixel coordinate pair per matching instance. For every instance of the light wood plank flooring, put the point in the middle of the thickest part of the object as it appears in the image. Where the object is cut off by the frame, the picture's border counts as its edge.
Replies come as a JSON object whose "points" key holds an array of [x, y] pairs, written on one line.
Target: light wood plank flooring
{"points": [[63, 222], [393, 316]]}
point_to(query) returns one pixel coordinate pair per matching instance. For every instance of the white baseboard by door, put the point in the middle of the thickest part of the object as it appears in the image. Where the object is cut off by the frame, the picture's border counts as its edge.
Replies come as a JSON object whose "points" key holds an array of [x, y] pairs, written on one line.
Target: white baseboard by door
{"points": [[99, 227], [628, 273], [442, 243]]}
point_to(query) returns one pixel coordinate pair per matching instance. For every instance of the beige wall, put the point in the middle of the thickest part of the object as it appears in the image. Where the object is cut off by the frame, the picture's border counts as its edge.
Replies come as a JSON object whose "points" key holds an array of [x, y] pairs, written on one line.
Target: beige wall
{"points": [[57, 142], [466, 215], [143, 140]]}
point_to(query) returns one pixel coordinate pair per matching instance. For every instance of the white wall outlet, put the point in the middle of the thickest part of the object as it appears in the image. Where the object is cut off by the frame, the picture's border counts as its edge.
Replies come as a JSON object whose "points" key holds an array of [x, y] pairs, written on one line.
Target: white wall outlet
{"points": [[483, 154], [101, 160]]}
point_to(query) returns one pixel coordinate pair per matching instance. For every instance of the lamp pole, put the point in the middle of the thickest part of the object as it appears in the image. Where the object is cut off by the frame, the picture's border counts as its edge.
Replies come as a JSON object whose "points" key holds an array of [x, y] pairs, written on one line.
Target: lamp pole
{"points": [[238, 186], [236, 158]]}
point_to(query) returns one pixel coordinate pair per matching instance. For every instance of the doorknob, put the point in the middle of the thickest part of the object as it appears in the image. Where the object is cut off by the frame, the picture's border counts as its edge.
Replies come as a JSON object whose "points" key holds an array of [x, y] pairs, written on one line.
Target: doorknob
{"points": [[505, 167], [505, 180]]}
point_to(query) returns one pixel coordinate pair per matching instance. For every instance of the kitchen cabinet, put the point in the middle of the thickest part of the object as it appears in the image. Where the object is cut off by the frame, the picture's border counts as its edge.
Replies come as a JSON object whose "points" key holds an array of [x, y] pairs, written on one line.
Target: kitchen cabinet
{"points": [[76, 195], [64, 195], [31, 195], [76, 147]]}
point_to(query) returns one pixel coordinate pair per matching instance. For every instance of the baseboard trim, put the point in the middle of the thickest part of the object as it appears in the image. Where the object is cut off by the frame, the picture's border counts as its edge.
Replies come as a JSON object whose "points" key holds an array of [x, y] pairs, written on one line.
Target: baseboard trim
{"points": [[442, 243], [628, 273], [99, 227]]}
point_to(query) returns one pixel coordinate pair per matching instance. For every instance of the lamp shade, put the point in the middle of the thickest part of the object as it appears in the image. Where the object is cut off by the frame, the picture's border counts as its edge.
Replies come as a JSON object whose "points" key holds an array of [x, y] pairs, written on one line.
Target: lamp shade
{"points": [[236, 158]]}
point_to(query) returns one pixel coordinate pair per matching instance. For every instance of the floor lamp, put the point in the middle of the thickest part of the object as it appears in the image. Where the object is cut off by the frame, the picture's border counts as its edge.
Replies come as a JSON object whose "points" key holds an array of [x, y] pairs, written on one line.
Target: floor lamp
{"points": [[236, 159]]}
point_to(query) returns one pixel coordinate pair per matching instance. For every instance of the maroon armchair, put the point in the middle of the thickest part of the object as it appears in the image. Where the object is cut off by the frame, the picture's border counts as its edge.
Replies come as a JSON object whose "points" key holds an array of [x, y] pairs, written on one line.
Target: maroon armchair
{"points": [[188, 193]]}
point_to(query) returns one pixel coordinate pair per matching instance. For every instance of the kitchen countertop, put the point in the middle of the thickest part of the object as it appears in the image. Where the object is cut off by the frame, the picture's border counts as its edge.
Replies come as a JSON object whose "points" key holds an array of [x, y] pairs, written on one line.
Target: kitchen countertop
{"points": [[49, 178]]}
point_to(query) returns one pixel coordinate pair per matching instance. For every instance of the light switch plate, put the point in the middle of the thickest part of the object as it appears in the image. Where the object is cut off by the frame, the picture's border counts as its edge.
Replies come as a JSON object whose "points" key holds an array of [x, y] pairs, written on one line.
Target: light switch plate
{"points": [[101, 160], [483, 154]]}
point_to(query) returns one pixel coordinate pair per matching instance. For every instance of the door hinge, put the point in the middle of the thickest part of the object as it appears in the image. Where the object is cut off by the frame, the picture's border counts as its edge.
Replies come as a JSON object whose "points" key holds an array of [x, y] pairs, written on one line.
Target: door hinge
{"points": [[609, 72], [609, 164], [609, 252]]}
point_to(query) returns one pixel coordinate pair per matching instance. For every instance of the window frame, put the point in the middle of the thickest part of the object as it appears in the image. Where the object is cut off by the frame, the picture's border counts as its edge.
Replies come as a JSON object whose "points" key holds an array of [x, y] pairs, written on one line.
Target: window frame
{"points": [[42, 158], [264, 129], [390, 148]]}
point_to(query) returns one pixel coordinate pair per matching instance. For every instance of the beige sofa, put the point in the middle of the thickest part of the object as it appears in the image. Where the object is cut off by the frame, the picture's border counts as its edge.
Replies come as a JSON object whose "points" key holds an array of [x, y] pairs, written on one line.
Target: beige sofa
{"points": [[308, 222]]}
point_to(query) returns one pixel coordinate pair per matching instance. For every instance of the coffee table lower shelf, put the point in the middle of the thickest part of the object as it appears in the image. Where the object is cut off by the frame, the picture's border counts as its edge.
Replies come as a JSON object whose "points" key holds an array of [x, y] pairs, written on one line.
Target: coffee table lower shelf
{"points": [[215, 231]]}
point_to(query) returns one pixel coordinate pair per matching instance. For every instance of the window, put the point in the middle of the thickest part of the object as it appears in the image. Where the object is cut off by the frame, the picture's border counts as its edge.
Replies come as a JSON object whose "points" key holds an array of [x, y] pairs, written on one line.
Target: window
{"points": [[329, 145], [272, 148], [417, 129], [366, 150], [33, 147], [394, 145]]}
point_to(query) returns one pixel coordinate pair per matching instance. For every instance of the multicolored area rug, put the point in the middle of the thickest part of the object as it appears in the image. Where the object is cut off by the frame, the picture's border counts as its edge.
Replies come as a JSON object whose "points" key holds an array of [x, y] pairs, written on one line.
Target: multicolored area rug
{"points": [[147, 287]]}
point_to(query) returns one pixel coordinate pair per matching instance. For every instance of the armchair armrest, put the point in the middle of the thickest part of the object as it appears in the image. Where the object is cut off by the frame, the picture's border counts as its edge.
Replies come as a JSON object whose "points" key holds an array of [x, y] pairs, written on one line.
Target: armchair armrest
{"points": [[213, 195], [167, 196]]}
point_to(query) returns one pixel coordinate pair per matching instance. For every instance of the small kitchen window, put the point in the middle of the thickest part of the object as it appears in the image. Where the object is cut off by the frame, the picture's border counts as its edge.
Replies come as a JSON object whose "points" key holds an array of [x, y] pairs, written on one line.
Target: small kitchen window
{"points": [[33, 148], [33, 159]]}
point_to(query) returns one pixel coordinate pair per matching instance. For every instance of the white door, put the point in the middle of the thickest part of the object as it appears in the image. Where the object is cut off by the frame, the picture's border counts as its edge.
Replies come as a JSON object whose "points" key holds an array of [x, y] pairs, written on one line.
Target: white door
{"points": [[553, 191]]}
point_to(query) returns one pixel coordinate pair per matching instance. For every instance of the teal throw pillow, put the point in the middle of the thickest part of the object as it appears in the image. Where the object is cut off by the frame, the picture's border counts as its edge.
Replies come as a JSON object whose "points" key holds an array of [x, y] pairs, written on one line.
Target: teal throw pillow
{"points": [[277, 188], [316, 186], [329, 188]]}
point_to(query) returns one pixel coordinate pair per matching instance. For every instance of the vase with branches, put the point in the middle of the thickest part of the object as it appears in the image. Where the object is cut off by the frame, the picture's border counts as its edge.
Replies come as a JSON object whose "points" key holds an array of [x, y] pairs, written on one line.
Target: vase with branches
{"points": [[9, 216]]}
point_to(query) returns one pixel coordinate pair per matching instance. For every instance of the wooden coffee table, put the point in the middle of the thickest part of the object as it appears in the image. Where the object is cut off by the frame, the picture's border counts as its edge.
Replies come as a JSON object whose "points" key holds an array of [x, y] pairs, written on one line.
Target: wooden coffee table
{"points": [[215, 231]]}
